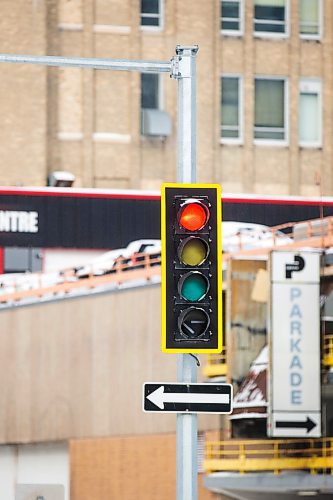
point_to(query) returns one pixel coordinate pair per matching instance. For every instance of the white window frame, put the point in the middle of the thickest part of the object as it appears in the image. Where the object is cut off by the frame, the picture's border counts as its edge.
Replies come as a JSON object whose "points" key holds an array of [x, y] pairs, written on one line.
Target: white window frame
{"points": [[319, 35], [274, 142], [240, 31], [269, 34], [160, 93], [312, 86], [160, 16], [234, 140]]}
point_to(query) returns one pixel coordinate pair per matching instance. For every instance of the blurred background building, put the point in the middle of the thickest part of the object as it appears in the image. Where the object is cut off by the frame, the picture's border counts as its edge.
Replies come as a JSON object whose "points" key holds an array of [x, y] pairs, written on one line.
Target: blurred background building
{"points": [[264, 93], [72, 370]]}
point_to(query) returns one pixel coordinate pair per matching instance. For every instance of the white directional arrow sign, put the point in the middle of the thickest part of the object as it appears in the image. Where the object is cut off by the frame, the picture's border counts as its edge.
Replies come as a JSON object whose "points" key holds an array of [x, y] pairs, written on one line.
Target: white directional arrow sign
{"points": [[193, 398], [159, 397], [296, 424]]}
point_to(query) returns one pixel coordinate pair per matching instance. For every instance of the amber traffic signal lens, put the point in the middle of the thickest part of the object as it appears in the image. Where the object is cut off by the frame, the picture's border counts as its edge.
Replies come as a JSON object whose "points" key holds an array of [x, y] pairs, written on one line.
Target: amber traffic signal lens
{"points": [[193, 251], [193, 216]]}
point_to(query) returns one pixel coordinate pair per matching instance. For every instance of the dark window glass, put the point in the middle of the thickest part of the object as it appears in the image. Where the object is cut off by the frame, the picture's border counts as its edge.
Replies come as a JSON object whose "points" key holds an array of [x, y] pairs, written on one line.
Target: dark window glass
{"points": [[150, 13], [269, 13], [270, 16], [149, 6], [230, 15], [149, 91], [150, 21], [230, 107], [230, 25], [230, 9], [268, 28]]}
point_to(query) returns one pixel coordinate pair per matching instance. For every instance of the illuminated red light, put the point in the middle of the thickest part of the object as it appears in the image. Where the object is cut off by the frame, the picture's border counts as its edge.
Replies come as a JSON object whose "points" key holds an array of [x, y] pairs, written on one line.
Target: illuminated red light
{"points": [[193, 216]]}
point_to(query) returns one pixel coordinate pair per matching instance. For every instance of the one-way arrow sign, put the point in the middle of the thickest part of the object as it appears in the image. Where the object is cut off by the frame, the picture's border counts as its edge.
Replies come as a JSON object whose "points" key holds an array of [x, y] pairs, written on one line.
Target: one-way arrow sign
{"points": [[181, 398], [296, 424], [307, 424]]}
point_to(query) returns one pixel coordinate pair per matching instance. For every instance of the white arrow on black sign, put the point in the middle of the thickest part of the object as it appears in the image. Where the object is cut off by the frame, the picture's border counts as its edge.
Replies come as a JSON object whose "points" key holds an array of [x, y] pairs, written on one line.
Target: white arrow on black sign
{"points": [[192, 398]]}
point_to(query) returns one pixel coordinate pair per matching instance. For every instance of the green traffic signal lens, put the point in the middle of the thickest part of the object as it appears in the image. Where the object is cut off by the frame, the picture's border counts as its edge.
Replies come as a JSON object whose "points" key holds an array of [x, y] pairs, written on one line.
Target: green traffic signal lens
{"points": [[193, 322], [193, 286], [193, 251]]}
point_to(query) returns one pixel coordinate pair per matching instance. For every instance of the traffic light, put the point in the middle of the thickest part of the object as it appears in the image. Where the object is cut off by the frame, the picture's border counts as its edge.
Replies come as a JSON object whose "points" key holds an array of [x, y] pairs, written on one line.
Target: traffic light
{"points": [[191, 268]]}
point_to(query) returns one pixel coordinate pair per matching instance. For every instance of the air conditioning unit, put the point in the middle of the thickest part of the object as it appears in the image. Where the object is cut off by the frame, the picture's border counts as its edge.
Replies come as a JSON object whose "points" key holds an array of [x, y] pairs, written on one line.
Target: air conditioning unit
{"points": [[60, 178], [155, 122]]}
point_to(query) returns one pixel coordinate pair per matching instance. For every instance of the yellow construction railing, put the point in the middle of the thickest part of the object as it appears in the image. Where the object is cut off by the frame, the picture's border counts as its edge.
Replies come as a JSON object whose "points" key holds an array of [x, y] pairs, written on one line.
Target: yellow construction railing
{"points": [[328, 350], [216, 365], [312, 455]]}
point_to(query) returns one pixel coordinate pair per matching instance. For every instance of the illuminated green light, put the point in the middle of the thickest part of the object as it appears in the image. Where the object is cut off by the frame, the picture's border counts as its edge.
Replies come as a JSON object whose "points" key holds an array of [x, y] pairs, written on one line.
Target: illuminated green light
{"points": [[193, 286], [193, 251]]}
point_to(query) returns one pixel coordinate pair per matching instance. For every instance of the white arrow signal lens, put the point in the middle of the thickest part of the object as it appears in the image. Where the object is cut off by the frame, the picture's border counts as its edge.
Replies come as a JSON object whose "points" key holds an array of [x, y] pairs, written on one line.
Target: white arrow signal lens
{"points": [[193, 322]]}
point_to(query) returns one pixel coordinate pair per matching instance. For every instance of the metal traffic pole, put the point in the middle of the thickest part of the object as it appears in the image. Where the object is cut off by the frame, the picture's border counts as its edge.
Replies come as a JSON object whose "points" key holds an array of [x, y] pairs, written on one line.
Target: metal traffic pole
{"points": [[92, 63], [187, 426]]}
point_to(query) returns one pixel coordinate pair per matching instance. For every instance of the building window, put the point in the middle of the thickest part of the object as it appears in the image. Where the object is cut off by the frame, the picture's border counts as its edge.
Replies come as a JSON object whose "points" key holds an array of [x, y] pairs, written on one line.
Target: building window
{"points": [[310, 18], [231, 109], [231, 16], [270, 17], [270, 110], [150, 91], [151, 13], [154, 121], [310, 114]]}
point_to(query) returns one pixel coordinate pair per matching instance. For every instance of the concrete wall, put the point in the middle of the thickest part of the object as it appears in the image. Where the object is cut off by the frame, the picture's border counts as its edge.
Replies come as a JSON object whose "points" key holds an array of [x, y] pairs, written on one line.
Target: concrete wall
{"points": [[75, 368]]}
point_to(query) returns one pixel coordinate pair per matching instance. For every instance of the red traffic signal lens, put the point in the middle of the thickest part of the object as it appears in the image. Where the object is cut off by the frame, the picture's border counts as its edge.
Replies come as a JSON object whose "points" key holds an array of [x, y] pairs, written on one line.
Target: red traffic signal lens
{"points": [[193, 216]]}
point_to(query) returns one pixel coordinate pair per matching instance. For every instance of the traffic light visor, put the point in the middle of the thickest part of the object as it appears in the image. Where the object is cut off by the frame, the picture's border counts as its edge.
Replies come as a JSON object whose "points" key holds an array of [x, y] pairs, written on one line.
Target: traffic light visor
{"points": [[193, 215]]}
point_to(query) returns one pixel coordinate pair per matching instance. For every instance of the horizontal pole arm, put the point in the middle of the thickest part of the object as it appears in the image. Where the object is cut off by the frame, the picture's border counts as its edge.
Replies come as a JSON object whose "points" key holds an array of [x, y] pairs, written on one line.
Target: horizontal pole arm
{"points": [[81, 62]]}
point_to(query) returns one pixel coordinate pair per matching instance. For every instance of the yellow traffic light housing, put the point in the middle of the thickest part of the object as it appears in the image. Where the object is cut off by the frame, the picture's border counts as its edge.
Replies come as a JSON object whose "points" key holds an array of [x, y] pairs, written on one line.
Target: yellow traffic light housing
{"points": [[191, 268]]}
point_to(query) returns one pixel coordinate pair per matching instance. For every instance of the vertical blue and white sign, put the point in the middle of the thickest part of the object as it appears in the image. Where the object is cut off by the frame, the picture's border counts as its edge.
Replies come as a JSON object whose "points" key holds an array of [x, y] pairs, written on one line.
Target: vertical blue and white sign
{"points": [[294, 382]]}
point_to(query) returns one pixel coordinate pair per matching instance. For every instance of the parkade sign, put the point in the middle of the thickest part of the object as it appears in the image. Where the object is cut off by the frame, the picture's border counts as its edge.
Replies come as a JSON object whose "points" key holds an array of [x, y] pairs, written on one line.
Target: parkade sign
{"points": [[295, 401]]}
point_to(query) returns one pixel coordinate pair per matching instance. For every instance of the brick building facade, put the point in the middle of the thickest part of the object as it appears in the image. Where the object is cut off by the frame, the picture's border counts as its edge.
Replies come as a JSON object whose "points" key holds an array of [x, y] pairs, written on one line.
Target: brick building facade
{"points": [[88, 122]]}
